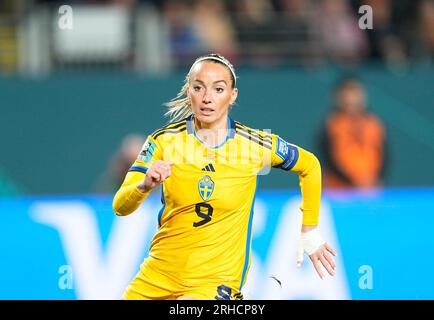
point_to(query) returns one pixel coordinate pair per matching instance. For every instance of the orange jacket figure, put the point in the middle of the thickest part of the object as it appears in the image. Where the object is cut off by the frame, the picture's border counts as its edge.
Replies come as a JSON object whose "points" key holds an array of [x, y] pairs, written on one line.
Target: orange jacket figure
{"points": [[354, 141]]}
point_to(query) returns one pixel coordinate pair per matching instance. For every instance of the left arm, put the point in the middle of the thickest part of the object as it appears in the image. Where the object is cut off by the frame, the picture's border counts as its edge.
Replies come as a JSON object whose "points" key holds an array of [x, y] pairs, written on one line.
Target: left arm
{"points": [[309, 169], [293, 158]]}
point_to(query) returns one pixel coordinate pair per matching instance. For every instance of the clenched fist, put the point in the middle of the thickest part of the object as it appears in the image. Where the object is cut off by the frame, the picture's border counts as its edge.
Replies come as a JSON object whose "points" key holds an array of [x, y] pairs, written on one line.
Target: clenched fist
{"points": [[156, 174]]}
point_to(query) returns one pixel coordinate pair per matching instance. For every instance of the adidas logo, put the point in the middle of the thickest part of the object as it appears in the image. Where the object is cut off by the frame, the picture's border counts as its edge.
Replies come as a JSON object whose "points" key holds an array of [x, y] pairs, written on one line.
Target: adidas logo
{"points": [[209, 167]]}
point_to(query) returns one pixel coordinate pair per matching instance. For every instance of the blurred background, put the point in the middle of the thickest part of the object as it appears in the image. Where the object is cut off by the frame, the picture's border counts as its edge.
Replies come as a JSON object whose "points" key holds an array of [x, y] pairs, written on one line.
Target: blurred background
{"points": [[83, 82]]}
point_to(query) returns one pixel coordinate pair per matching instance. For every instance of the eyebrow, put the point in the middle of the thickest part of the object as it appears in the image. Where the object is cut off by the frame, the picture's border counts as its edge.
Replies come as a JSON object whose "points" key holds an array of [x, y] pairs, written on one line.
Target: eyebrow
{"points": [[213, 82]]}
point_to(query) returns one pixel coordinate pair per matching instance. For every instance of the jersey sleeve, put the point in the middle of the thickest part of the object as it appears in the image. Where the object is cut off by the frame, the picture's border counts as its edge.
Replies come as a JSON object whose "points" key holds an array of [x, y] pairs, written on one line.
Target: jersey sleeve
{"points": [[284, 155], [150, 152], [128, 198], [290, 157]]}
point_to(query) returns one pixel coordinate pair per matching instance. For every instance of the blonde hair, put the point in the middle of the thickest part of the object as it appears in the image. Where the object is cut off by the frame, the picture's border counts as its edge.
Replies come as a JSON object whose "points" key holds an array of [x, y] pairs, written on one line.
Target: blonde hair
{"points": [[180, 106]]}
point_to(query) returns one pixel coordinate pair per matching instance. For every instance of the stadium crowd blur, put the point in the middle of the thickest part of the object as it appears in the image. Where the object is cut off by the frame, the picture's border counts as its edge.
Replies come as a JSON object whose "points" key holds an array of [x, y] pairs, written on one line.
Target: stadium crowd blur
{"points": [[280, 32], [114, 174], [266, 34]]}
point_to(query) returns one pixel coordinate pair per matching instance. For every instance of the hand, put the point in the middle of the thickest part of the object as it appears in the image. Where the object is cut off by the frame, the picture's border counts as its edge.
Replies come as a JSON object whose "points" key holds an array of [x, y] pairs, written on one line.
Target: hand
{"points": [[156, 174], [318, 251], [323, 255]]}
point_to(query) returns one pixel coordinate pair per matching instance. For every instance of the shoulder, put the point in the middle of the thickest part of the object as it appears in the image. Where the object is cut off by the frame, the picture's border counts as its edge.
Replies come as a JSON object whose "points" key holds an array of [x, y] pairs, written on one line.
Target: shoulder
{"points": [[283, 154], [375, 125], [171, 128], [261, 137], [334, 118], [374, 119]]}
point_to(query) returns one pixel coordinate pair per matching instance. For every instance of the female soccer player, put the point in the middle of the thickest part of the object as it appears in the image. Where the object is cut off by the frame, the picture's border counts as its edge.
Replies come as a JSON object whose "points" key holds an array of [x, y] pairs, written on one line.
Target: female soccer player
{"points": [[208, 166]]}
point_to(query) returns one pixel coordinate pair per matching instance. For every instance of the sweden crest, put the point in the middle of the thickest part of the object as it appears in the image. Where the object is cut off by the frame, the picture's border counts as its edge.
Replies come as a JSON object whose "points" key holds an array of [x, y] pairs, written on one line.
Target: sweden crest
{"points": [[206, 187]]}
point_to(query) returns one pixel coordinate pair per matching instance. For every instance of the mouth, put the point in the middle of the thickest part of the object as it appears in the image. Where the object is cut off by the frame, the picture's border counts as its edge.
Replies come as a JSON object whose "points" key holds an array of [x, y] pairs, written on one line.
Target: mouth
{"points": [[206, 110]]}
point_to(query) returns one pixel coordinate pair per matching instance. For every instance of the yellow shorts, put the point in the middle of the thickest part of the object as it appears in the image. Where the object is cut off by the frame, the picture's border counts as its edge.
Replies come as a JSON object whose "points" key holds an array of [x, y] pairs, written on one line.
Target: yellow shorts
{"points": [[152, 285]]}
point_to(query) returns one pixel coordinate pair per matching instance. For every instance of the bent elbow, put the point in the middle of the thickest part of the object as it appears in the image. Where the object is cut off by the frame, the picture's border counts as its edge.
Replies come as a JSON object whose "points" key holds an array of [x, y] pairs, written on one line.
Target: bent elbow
{"points": [[315, 168], [312, 166], [316, 163], [119, 213], [118, 207]]}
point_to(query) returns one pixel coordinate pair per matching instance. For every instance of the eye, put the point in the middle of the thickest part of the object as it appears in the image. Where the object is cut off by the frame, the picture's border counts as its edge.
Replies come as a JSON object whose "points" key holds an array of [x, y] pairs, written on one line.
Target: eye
{"points": [[220, 90], [196, 88]]}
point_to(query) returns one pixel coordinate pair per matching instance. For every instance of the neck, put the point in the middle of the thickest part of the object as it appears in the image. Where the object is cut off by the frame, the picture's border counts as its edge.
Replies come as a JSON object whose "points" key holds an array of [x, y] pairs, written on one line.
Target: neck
{"points": [[212, 134], [219, 124]]}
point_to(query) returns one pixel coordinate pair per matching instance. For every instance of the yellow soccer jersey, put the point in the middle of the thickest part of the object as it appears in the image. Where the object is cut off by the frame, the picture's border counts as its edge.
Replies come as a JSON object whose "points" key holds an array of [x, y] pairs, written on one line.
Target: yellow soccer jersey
{"points": [[205, 223]]}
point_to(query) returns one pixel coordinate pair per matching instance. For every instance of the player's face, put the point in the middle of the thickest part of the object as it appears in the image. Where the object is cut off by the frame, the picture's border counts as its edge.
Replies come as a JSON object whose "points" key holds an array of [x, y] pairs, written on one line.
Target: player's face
{"points": [[210, 92]]}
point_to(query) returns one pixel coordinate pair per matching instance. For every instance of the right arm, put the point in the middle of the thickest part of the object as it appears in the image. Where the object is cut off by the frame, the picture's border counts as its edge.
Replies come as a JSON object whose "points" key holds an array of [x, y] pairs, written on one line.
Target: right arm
{"points": [[147, 171], [129, 196], [137, 186]]}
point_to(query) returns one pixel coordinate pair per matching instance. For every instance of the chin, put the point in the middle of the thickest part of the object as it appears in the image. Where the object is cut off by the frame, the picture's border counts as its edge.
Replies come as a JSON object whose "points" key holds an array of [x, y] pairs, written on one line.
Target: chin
{"points": [[206, 119]]}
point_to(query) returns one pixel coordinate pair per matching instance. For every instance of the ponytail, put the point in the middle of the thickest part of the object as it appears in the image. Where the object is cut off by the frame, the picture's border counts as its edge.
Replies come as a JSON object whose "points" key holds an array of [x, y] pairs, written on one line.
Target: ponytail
{"points": [[180, 106]]}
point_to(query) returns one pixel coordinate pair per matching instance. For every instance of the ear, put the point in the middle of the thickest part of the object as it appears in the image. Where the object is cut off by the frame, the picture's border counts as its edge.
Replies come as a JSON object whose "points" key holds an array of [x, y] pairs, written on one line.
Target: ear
{"points": [[234, 95]]}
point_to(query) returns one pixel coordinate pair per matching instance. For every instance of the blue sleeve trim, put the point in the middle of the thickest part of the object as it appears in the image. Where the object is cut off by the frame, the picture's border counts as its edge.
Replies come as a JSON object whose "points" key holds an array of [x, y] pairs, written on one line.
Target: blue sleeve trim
{"points": [[287, 152], [138, 168], [163, 202], [291, 158], [281, 148], [249, 237]]}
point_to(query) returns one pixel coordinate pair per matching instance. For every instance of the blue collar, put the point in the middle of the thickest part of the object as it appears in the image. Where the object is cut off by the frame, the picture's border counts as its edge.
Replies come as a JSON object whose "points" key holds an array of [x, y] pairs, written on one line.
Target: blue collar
{"points": [[230, 135]]}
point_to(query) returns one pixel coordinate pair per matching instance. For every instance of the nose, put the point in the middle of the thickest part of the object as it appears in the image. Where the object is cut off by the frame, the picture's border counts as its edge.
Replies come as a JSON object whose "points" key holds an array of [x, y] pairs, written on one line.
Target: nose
{"points": [[207, 97]]}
